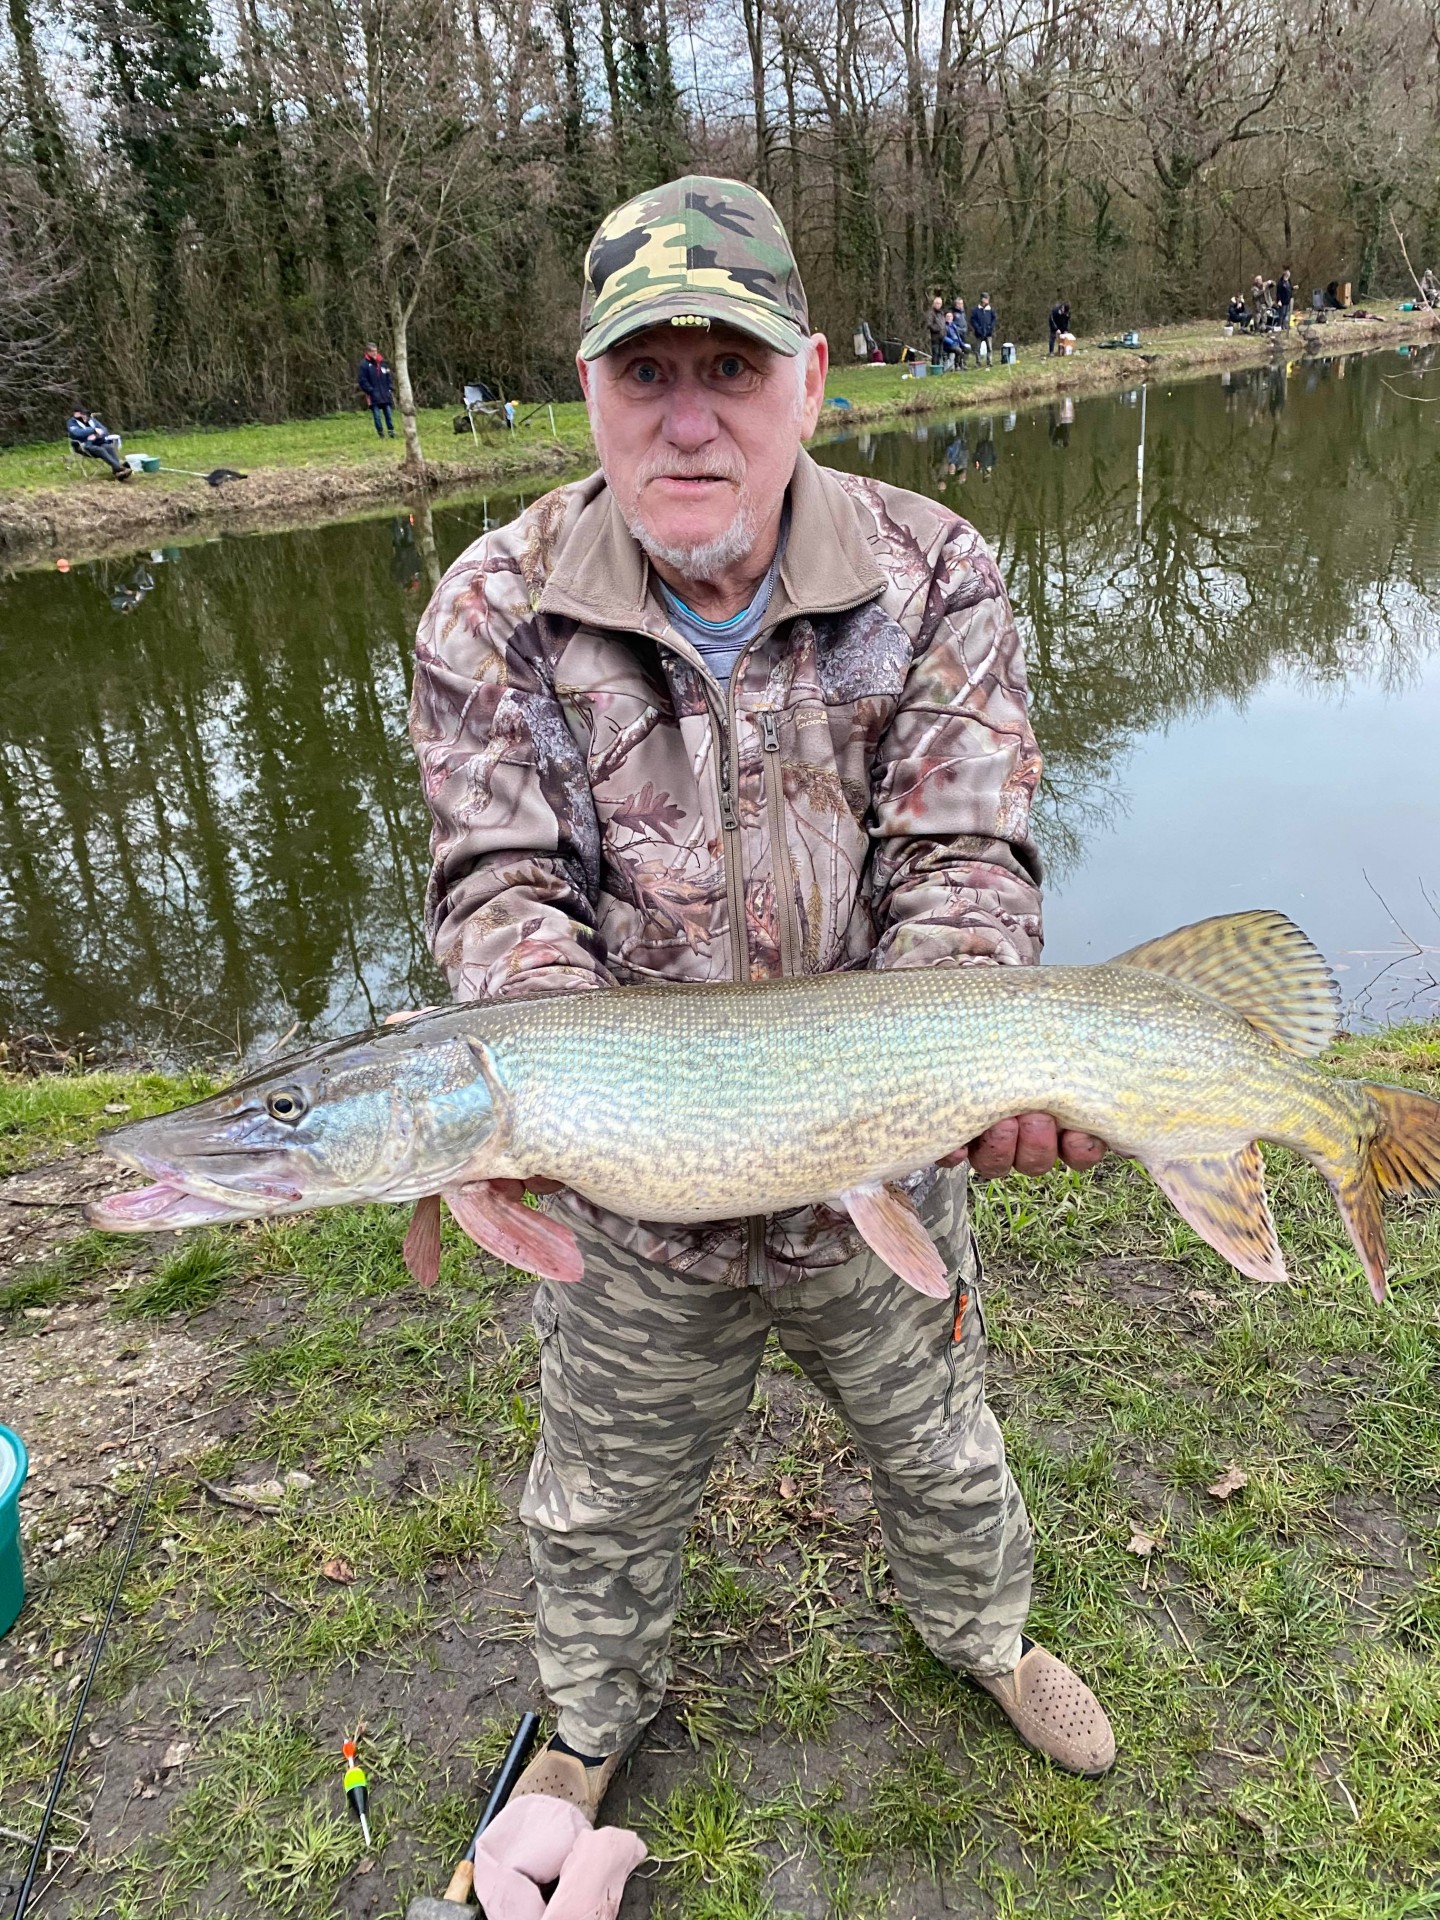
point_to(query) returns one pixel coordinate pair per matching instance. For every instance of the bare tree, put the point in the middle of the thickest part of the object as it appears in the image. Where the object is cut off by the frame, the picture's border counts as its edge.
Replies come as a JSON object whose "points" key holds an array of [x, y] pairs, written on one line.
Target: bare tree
{"points": [[402, 125]]}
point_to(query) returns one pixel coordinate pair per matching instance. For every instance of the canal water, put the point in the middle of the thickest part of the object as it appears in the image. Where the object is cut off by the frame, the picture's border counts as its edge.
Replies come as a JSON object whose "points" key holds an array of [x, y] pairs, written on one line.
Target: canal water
{"points": [[210, 829]]}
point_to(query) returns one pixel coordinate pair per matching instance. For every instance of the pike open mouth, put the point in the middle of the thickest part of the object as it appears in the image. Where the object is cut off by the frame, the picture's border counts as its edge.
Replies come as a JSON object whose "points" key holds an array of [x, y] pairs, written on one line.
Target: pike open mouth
{"points": [[167, 1205]]}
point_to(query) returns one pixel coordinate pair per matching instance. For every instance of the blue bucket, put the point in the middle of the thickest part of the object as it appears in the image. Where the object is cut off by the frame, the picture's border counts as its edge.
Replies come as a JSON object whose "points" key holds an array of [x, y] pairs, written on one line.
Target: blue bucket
{"points": [[14, 1465]]}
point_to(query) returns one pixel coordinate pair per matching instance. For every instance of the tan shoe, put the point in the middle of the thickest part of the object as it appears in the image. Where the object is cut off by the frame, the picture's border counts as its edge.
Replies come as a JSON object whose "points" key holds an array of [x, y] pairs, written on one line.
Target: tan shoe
{"points": [[564, 1776], [1053, 1711]]}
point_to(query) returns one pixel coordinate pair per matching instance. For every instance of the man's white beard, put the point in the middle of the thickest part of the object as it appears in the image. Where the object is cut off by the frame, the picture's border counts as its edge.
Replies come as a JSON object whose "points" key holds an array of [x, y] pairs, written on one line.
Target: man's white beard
{"points": [[709, 559]]}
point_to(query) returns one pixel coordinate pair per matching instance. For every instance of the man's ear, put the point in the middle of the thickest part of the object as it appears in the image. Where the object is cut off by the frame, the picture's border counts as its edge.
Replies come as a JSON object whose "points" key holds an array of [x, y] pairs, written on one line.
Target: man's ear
{"points": [[582, 367], [815, 384]]}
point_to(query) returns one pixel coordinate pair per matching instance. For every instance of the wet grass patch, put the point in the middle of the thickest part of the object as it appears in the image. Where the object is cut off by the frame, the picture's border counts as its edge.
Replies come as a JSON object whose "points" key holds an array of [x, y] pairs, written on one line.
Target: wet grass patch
{"points": [[49, 1114]]}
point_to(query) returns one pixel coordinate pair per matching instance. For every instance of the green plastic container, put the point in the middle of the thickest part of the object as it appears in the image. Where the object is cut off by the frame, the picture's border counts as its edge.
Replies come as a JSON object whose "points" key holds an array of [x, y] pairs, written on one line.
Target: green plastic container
{"points": [[14, 1465]]}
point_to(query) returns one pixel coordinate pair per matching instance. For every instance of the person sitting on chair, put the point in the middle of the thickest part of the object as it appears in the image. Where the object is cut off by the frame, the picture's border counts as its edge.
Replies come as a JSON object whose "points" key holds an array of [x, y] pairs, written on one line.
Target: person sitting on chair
{"points": [[91, 437], [1237, 313]]}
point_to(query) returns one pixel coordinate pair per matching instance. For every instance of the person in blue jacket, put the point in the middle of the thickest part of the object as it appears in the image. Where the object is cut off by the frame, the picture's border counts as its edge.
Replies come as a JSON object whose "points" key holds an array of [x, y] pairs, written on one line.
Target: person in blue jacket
{"points": [[373, 380], [982, 325], [89, 435], [956, 345]]}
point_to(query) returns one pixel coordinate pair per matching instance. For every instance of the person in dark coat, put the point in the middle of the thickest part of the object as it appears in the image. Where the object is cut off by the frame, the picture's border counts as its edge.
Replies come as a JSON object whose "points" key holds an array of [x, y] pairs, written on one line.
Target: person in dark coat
{"points": [[89, 435], [373, 380], [982, 326], [1237, 313], [1059, 321], [1285, 296], [935, 321]]}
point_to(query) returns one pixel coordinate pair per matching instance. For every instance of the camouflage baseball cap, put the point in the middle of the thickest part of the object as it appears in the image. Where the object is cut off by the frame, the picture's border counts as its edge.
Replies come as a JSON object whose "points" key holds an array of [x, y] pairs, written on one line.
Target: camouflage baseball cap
{"points": [[689, 252]]}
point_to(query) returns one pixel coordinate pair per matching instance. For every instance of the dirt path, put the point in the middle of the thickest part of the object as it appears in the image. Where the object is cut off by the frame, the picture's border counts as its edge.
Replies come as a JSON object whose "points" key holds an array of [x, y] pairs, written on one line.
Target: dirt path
{"points": [[86, 521]]}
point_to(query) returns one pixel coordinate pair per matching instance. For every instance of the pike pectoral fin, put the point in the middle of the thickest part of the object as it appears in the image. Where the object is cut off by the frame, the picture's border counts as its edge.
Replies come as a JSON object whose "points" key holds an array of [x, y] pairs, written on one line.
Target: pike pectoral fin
{"points": [[888, 1223], [421, 1251], [1222, 1196], [497, 1219]]}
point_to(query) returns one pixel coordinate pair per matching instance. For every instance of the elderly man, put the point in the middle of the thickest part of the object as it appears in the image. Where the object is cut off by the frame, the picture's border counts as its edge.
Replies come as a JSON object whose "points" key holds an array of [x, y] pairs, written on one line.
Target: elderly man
{"points": [[717, 713]]}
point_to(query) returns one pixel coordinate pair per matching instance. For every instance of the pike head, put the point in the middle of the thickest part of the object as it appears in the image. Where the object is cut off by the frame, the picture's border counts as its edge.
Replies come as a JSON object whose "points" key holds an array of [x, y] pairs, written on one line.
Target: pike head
{"points": [[389, 1115]]}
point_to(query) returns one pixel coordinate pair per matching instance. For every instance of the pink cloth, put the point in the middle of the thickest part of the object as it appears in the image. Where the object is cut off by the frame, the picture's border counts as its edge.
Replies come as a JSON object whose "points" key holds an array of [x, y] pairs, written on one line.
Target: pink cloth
{"points": [[593, 1878], [537, 1840]]}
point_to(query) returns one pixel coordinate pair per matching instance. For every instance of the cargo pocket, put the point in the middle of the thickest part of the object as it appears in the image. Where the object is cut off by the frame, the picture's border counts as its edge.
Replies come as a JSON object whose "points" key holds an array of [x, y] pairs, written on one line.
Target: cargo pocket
{"points": [[966, 1346], [559, 1422]]}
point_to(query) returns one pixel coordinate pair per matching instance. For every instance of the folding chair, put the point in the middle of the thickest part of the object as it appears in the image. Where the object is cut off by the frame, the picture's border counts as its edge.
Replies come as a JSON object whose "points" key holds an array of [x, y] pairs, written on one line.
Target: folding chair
{"points": [[486, 403]]}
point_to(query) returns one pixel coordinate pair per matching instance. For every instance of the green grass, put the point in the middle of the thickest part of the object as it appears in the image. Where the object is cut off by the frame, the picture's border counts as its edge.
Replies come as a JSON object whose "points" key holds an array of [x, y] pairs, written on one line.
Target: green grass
{"points": [[63, 1112], [86, 1258], [187, 1280], [333, 441], [1273, 1667]]}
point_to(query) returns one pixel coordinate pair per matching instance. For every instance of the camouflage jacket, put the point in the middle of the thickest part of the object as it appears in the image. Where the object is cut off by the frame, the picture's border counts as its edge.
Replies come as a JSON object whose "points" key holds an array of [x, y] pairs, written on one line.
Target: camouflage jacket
{"points": [[606, 812]]}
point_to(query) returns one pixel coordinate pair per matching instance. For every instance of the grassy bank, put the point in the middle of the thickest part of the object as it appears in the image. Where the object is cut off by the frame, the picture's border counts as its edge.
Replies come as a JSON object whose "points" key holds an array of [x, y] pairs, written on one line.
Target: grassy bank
{"points": [[1268, 1655], [303, 470]]}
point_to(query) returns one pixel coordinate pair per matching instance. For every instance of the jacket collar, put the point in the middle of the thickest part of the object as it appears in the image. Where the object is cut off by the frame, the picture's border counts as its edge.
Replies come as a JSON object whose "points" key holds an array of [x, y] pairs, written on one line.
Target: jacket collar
{"points": [[602, 576]]}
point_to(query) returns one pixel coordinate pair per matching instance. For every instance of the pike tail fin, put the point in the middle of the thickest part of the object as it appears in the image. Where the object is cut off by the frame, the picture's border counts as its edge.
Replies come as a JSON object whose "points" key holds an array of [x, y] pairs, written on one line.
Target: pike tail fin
{"points": [[1400, 1154]]}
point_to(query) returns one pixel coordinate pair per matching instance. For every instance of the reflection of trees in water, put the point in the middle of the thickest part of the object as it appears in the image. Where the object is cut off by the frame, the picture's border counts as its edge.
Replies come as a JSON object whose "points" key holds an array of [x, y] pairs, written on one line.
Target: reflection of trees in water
{"points": [[210, 823], [209, 820], [1284, 531]]}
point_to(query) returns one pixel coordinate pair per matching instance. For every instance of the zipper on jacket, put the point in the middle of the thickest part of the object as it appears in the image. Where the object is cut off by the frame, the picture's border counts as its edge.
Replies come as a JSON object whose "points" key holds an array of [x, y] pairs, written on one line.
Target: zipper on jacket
{"points": [[721, 735], [785, 914]]}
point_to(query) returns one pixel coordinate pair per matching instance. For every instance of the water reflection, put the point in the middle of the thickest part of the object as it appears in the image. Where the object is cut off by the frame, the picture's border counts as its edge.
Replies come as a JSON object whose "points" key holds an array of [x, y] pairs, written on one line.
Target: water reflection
{"points": [[209, 821]]}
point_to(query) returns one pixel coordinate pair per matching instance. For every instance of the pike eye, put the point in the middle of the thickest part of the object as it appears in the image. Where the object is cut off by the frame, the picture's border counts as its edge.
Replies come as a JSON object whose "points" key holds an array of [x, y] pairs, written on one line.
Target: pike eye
{"points": [[286, 1104]]}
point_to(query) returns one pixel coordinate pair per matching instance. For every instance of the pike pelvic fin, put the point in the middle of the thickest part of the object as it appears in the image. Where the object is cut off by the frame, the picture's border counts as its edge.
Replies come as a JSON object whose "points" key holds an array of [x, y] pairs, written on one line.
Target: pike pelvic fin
{"points": [[1401, 1155], [1261, 966], [421, 1251], [497, 1219], [890, 1226], [1222, 1196]]}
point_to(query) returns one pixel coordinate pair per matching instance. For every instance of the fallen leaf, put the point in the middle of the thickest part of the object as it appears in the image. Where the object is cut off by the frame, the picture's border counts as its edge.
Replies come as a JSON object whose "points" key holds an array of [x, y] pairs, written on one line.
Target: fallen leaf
{"points": [[176, 1754], [367, 1865], [260, 1493], [339, 1569], [787, 1487], [298, 1482], [1142, 1545], [117, 1106], [1212, 1303], [1230, 1481]]}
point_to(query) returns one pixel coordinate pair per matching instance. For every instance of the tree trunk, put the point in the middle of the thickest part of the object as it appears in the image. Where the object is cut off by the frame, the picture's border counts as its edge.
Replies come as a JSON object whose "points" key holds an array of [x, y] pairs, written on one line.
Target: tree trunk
{"points": [[47, 144], [755, 41], [612, 87], [404, 392]]}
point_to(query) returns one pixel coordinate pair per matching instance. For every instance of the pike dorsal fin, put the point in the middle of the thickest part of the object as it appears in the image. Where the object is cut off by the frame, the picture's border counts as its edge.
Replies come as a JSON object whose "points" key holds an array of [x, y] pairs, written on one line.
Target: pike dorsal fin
{"points": [[1260, 965]]}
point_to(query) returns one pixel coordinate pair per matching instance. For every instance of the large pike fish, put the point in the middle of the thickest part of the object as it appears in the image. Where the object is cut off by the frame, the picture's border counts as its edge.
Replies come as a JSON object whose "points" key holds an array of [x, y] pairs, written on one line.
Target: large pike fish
{"points": [[692, 1103]]}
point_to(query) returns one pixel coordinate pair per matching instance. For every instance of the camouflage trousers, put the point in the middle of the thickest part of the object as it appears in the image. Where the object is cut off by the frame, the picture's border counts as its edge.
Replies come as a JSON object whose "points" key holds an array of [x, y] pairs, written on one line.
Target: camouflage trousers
{"points": [[645, 1370]]}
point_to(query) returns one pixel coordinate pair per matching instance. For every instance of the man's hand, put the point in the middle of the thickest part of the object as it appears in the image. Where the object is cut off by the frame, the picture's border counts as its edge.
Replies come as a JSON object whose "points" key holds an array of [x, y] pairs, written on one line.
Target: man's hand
{"points": [[1030, 1143]]}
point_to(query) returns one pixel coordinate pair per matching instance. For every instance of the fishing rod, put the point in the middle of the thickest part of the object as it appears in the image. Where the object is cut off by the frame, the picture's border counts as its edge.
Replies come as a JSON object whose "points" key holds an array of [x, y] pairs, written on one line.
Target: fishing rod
{"points": [[57, 1785]]}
